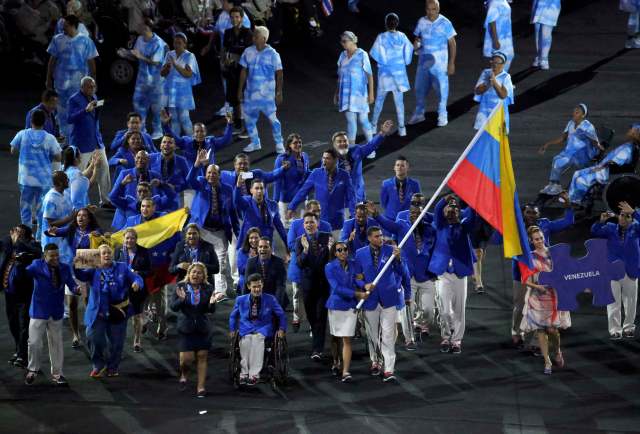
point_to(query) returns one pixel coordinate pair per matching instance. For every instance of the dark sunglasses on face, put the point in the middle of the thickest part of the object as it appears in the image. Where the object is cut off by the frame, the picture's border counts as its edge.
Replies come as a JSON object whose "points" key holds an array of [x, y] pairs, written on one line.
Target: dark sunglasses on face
{"points": [[341, 250], [416, 203]]}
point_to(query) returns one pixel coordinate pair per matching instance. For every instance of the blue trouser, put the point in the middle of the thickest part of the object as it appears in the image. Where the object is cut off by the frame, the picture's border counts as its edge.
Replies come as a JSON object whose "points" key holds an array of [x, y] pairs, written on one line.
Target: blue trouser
{"points": [[584, 179], [251, 112], [377, 108], [428, 77], [543, 41], [180, 119], [352, 125], [31, 199], [563, 161], [101, 334], [149, 97]]}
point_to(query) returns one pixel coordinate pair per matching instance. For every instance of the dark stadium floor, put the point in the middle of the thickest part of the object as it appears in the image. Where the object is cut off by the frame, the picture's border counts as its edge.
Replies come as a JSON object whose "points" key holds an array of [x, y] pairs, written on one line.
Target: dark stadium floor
{"points": [[489, 387]]}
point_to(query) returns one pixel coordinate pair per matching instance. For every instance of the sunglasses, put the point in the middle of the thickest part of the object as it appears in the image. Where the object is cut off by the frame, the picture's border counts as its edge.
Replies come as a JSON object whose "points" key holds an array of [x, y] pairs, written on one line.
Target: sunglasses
{"points": [[416, 203], [341, 250]]}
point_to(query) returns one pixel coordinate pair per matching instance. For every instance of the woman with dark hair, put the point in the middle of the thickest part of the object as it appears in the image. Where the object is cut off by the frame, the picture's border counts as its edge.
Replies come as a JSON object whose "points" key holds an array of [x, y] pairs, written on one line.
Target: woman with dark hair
{"points": [[80, 181], [125, 157], [288, 185], [139, 261], [192, 300], [248, 250], [194, 249], [77, 235]]}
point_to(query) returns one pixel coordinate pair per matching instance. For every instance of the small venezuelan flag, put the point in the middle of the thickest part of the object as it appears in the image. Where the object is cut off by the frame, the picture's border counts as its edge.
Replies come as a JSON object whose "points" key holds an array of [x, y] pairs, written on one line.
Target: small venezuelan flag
{"points": [[485, 181]]}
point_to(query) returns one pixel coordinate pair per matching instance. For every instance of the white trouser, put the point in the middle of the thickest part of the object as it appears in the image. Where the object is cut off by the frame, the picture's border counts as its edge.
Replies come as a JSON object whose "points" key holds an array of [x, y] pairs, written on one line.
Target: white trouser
{"points": [[233, 264], [424, 301], [187, 197], [406, 324], [381, 331], [298, 305], [625, 292], [37, 330], [252, 354], [103, 178], [452, 301], [221, 245]]}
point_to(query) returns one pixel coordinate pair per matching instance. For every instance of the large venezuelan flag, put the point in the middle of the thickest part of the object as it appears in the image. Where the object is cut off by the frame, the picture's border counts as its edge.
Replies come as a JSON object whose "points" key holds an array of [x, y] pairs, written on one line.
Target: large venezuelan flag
{"points": [[484, 180]]}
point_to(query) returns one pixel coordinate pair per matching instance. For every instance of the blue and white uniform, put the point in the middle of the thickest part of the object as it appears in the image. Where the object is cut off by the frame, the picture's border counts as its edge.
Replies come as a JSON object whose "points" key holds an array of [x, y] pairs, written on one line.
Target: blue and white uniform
{"points": [[353, 92], [632, 7], [260, 91], [56, 206], [499, 12], [433, 62], [579, 150], [489, 99], [149, 89], [78, 188], [392, 51], [37, 149], [179, 93], [72, 56], [544, 17]]}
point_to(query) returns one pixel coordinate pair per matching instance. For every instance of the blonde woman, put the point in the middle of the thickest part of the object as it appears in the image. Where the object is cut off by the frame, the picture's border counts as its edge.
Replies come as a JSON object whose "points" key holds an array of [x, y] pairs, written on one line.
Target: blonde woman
{"points": [[192, 301]]}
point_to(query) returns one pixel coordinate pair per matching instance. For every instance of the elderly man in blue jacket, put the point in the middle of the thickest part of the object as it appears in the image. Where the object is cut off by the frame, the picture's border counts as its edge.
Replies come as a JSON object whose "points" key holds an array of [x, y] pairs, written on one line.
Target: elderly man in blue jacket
{"points": [[383, 301], [253, 318], [452, 261], [84, 119], [622, 243], [46, 312], [333, 189]]}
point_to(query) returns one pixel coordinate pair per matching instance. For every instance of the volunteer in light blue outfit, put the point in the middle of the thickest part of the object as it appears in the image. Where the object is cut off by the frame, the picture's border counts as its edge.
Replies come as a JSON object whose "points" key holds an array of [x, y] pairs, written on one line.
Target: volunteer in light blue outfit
{"points": [[622, 159], [622, 244], [37, 150], [263, 76], [341, 304], [544, 17], [181, 73], [72, 57], [392, 51], [287, 186], [435, 44], [632, 7], [79, 180], [497, 31], [354, 91], [150, 51], [107, 311], [397, 192], [350, 156], [493, 86], [581, 147], [57, 211]]}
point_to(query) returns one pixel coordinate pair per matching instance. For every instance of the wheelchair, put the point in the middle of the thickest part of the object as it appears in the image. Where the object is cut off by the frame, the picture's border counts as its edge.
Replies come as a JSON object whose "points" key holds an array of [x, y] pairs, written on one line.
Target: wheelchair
{"points": [[275, 368]]}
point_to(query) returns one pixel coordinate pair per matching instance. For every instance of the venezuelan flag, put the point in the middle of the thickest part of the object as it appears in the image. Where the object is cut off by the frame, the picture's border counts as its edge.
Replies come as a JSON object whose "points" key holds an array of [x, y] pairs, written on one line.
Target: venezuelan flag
{"points": [[484, 180]]}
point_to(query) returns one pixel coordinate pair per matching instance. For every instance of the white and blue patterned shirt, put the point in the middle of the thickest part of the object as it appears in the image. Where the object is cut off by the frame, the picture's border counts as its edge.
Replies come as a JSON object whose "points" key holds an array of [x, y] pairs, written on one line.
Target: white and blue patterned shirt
{"points": [[261, 69], [56, 206], [580, 137], [72, 55], [434, 39], [78, 187], [155, 49], [178, 87], [392, 51], [499, 12], [545, 12], [353, 76], [37, 149]]}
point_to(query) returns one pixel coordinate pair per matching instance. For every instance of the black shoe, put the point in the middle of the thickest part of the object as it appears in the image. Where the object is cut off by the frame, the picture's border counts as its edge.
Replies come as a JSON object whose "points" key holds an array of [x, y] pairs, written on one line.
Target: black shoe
{"points": [[137, 349], [346, 378], [445, 346], [479, 290], [243, 135], [374, 370], [20, 363], [296, 326], [629, 334], [182, 385], [162, 336], [316, 356], [12, 360], [456, 349], [60, 381], [30, 378], [388, 376], [335, 370], [201, 394], [75, 344], [615, 336]]}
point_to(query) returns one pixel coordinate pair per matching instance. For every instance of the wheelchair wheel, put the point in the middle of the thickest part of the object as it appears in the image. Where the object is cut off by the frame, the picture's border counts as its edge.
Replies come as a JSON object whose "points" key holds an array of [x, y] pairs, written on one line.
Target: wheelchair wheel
{"points": [[234, 360], [280, 361]]}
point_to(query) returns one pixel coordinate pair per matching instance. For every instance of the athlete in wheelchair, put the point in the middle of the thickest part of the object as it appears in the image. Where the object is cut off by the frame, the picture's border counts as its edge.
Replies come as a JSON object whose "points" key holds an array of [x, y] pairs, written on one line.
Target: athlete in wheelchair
{"points": [[257, 327]]}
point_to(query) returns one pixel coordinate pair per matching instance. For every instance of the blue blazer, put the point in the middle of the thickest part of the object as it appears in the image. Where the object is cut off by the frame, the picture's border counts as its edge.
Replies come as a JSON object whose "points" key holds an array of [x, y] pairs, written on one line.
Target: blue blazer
{"points": [[452, 243], [123, 277], [295, 230], [357, 243], [403, 215], [179, 175], [189, 148], [128, 205], [50, 124], [417, 262], [333, 202], [118, 141], [85, 126], [251, 217], [389, 199], [269, 309], [341, 285], [122, 154], [388, 292], [47, 301], [355, 155], [202, 203], [287, 185], [626, 250]]}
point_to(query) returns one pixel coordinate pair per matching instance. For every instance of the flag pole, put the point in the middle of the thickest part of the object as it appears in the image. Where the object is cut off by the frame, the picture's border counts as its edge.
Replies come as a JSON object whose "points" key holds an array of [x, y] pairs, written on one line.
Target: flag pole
{"points": [[433, 198]]}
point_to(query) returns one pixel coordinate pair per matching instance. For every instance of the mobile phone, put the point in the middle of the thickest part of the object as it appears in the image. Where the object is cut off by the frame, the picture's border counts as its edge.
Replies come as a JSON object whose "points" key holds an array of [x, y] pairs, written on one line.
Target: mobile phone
{"points": [[100, 103], [247, 175]]}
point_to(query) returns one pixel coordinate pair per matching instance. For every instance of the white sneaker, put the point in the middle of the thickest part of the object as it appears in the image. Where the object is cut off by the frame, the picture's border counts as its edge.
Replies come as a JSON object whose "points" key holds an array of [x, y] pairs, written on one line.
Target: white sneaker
{"points": [[544, 65], [416, 119], [251, 148], [402, 131], [280, 148], [443, 120], [224, 110], [552, 189], [632, 42], [372, 155], [536, 62]]}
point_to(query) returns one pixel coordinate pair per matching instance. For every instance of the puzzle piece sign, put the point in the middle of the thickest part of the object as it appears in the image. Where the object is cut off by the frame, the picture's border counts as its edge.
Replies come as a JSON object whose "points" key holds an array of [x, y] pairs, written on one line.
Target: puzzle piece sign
{"points": [[571, 276]]}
